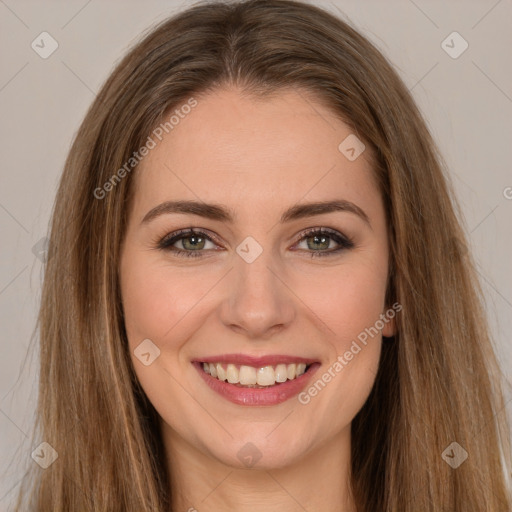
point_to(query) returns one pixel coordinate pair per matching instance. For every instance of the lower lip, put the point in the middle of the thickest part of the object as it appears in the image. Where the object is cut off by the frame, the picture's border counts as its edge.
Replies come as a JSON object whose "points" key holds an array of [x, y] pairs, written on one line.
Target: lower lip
{"points": [[272, 395]]}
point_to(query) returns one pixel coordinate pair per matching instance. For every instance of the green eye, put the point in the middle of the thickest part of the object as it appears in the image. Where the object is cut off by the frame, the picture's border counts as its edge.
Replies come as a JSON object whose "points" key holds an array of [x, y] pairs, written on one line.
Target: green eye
{"points": [[193, 242]]}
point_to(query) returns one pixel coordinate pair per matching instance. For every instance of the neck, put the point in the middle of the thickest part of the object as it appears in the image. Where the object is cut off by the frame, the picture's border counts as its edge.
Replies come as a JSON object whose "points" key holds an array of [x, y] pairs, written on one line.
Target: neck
{"points": [[318, 481]]}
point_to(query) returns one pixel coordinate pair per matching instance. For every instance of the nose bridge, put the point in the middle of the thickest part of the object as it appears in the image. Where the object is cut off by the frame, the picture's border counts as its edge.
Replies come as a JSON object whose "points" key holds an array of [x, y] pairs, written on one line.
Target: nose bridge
{"points": [[258, 301]]}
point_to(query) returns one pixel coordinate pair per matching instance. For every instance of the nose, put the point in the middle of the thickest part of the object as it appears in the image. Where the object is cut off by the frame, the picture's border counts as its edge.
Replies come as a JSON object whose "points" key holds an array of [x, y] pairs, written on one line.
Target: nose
{"points": [[258, 302]]}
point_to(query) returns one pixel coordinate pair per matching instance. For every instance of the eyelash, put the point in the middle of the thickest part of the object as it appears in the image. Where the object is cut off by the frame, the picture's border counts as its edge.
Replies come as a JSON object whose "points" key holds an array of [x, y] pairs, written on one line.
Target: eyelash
{"points": [[167, 241]]}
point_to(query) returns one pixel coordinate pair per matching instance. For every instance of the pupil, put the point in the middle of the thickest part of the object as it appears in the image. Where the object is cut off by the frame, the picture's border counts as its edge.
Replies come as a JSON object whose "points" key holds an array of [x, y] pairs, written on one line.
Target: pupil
{"points": [[197, 239], [316, 238]]}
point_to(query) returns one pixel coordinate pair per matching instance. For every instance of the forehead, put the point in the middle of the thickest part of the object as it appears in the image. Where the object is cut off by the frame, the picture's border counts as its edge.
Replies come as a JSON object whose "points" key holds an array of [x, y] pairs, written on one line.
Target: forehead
{"points": [[255, 153]]}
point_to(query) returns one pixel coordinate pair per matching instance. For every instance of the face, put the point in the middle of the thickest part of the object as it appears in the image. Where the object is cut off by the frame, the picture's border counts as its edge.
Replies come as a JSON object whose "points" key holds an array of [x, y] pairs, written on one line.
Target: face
{"points": [[264, 284]]}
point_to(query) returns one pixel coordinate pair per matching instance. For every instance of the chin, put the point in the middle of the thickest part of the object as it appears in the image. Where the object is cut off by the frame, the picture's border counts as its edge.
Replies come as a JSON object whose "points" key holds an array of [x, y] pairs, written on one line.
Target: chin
{"points": [[259, 453]]}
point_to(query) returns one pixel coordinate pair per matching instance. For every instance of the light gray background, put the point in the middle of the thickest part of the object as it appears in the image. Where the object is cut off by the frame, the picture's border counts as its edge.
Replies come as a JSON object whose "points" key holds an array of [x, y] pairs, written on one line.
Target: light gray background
{"points": [[467, 103]]}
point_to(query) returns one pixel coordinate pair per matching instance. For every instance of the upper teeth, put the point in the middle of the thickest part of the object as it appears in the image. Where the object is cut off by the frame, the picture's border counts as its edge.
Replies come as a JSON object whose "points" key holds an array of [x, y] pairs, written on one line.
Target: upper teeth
{"points": [[249, 375]]}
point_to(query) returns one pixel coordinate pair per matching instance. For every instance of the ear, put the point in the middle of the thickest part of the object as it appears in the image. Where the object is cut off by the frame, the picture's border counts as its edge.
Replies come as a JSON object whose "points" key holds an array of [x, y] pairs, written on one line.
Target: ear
{"points": [[389, 317], [389, 329]]}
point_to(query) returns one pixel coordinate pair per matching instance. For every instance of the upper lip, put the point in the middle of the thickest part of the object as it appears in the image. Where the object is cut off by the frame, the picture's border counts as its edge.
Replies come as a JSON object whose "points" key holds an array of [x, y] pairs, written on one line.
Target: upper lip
{"points": [[256, 361]]}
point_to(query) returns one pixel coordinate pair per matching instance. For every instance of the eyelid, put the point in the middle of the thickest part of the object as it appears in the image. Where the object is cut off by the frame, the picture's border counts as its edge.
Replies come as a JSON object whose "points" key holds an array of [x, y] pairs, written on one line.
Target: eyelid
{"points": [[323, 230], [344, 242], [187, 232]]}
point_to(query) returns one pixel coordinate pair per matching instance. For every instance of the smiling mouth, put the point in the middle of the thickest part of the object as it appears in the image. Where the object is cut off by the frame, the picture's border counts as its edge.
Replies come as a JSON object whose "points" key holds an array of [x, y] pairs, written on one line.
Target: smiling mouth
{"points": [[244, 376]]}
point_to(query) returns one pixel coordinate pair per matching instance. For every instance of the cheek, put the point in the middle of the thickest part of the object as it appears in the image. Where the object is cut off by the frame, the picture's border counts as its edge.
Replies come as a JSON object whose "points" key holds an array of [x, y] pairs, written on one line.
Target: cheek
{"points": [[348, 304], [156, 299], [346, 300], [159, 301]]}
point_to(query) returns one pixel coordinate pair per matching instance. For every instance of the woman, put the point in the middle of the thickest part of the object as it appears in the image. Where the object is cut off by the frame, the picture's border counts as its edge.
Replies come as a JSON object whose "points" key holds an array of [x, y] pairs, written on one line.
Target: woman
{"points": [[257, 290]]}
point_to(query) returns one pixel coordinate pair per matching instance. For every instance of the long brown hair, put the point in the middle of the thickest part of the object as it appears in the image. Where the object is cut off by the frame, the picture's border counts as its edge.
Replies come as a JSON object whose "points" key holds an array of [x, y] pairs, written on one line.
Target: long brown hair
{"points": [[438, 382]]}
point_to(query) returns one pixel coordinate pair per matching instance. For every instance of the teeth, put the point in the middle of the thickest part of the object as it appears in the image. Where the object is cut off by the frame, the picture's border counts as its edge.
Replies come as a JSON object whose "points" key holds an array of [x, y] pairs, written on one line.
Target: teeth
{"points": [[233, 374], [266, 376], [247, 375], [281, 373], [221, 373], [250, 376]]}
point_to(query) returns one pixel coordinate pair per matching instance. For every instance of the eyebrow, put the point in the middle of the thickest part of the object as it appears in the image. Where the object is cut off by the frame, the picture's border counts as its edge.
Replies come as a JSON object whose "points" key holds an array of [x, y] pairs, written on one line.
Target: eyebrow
{"points": [[221, 213]]}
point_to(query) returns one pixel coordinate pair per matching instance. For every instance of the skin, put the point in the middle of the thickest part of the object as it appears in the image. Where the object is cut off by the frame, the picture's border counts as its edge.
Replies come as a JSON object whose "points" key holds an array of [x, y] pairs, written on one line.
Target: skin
{"points": [[256, 155]]}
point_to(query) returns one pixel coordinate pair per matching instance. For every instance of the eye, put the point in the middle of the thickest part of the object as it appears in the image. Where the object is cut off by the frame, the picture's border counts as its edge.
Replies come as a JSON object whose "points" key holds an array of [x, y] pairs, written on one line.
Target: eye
{"points": [[193, 242], [321, 238]]}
